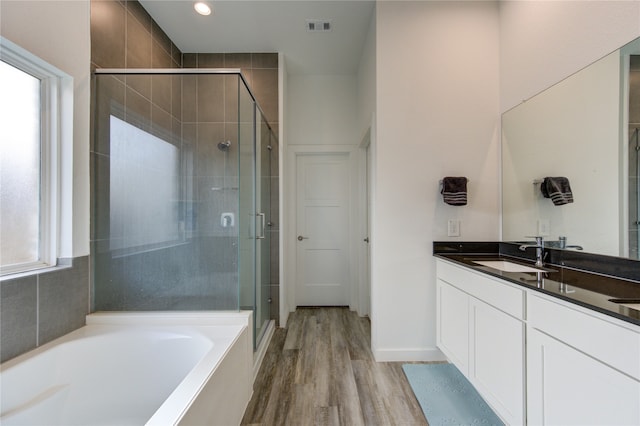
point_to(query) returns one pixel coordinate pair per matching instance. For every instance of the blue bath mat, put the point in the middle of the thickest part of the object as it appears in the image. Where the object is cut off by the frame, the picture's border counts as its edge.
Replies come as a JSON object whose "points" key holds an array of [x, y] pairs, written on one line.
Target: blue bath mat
{"points": [[447, 397]]}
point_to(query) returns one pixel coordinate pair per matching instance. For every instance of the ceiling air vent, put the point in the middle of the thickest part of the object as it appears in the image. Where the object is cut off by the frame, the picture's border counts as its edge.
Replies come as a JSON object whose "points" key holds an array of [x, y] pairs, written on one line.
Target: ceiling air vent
{"points": [[318, 26]]}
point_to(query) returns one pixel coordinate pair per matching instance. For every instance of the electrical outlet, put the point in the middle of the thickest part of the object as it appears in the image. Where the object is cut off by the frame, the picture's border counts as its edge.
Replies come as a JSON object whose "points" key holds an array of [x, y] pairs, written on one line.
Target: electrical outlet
{"points": [[453, 228], [543, 227]]}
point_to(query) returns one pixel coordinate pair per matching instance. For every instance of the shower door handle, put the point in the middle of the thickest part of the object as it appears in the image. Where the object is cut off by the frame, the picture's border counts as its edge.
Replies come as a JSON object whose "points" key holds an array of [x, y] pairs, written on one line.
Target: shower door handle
{"points": [[263, 222]]}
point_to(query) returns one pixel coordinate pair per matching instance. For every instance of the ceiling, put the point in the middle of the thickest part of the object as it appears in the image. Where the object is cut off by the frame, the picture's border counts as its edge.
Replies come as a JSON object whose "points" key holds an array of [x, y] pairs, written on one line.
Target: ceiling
{"points": [[242, 26]]}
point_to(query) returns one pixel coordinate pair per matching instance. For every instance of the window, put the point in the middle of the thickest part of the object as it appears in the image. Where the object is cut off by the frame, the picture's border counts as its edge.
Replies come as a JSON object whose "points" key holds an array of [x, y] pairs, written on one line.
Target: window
{"points": [[144, 189], [34, 132]]}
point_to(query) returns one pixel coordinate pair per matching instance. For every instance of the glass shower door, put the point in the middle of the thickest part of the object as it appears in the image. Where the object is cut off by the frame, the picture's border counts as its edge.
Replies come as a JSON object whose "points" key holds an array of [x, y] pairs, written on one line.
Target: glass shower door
{"points": [[247, 197], [263, 208], [634, 157], [634, 191]]}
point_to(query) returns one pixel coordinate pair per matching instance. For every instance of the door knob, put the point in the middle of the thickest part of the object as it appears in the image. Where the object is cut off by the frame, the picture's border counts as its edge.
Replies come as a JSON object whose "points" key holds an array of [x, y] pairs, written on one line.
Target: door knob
{"points": [[366, 240], [300, 238]]}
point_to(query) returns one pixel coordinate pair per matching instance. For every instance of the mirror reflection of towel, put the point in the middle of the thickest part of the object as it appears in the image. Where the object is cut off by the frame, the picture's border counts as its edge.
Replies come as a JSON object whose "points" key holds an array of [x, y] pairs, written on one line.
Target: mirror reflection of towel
{"points": [[454, 190], [558, 189]]}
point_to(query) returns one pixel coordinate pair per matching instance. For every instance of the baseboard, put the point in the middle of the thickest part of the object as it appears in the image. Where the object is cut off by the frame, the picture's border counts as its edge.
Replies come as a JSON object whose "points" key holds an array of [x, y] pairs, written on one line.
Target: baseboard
{"points": [[409, 354]]}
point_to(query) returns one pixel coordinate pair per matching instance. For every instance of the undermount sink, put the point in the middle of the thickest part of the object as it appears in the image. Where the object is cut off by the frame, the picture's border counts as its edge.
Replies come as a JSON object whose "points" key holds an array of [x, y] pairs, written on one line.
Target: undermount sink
{"points": [[506, 266]]}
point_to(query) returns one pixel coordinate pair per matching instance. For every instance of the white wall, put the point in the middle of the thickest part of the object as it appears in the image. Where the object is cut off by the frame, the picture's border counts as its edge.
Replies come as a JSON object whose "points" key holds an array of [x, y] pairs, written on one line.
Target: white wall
{"points": [[437, 101], [322, 110], [366, 79], [283, 95], [543, 42], [58, 32]]}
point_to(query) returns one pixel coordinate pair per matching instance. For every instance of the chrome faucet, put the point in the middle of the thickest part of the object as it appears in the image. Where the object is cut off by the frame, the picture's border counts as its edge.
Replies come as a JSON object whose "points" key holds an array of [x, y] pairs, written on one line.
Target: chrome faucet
{"points": [[563, 244], [539, 246]]}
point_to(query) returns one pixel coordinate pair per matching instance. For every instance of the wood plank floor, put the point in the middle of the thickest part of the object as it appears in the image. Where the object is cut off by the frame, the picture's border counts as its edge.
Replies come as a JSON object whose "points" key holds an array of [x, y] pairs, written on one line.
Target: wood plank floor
{"points": [[320, 371]]}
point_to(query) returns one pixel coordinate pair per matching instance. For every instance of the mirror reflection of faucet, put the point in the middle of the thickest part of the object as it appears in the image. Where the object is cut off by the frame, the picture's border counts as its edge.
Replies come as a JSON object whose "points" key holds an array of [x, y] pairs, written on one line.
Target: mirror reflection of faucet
{"points": [[565, 288], [564, 246], [539, 280]]}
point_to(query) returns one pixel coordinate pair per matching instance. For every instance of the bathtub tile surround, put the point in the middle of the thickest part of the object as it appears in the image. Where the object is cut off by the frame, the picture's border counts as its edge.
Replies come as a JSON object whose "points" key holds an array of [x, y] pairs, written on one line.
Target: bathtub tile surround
{"points": [[41, 307], [18, 316], [68, 288]]}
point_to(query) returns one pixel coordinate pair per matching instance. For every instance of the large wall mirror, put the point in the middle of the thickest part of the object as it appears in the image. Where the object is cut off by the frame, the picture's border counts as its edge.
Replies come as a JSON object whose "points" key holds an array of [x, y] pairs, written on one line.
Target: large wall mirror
{"points": [[584, 128]]}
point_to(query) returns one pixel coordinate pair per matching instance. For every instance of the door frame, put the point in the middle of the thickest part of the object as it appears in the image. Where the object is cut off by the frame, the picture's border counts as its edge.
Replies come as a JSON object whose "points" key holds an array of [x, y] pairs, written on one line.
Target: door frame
{"points": [[365, 170], [289, 234]]}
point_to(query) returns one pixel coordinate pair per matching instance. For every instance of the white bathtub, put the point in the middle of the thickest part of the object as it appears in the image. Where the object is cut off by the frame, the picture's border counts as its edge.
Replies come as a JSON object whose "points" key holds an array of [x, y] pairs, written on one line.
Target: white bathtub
{"points": [[135, 369]]}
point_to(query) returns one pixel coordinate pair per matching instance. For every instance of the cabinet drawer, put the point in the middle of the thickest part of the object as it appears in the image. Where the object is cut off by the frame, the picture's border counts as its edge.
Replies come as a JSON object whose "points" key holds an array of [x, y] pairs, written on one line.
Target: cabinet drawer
{"points": [[498, 294], [612, 344]]}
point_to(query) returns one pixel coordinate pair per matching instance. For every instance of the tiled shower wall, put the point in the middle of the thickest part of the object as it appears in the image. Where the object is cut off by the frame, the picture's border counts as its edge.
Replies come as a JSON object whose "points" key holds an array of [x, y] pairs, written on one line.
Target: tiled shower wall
{"points": [[125, 36], [261, 72]]}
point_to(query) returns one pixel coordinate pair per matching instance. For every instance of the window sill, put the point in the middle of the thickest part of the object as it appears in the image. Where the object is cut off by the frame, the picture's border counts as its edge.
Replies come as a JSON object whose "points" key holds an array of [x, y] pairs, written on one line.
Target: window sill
{"points": [[62, 265]]}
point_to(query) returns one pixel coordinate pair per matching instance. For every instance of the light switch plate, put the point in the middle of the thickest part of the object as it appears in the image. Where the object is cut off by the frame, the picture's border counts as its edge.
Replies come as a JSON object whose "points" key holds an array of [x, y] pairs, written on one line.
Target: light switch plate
{"points": [[453, 228], [543, 227]]}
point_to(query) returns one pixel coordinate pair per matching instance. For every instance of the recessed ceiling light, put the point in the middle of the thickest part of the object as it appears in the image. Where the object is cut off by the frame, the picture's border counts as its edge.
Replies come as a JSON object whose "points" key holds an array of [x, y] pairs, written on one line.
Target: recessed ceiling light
{"points": [[202, 8]]}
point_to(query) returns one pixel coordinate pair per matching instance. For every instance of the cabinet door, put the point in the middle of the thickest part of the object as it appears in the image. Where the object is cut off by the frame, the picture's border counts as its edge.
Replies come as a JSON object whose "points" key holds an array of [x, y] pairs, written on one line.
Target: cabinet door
{"points": [[567, 387], [453, 325], [496, 365]]}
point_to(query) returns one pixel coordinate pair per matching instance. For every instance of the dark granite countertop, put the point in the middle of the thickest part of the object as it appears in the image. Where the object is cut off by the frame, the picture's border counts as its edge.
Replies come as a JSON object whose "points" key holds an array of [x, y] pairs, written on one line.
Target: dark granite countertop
{"points": [[589, 289]]}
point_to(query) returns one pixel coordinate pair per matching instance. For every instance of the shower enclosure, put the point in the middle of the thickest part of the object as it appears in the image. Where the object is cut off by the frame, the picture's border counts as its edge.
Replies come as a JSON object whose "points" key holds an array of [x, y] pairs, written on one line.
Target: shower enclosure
{"points": [[181, 193], [634, 157], [634, 191]]}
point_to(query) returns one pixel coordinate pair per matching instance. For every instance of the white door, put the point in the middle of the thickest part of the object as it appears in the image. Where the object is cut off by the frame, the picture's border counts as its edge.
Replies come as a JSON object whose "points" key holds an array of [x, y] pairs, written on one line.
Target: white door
{"points": [[322, 254]]}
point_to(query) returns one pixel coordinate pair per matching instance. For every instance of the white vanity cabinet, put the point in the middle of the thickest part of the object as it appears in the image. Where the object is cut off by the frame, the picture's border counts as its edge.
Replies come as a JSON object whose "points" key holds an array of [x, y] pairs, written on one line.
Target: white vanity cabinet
{"points": [[480, 330], [583, 368], [578, 366], [453, 324]]}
